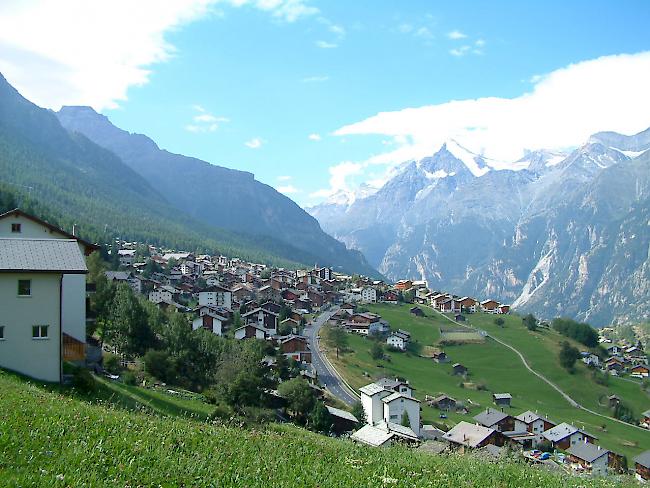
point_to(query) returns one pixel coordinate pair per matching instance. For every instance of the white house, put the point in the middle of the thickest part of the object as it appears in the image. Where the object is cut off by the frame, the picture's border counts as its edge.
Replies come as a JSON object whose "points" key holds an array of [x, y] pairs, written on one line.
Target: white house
{"points": [[216, 295], [398, 405], [565, 435], [397, 341], [32, 299], [534, 423], [369, 295], [387, 400], [161, 295], [126, 257], [210, 320], [250, 331], [18, 224], [588, 458]]}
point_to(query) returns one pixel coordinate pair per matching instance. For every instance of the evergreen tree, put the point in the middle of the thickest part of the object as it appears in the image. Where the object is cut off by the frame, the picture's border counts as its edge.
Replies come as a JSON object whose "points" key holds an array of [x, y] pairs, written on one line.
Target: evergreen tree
{"points": [[320, 419], [406, 421]]}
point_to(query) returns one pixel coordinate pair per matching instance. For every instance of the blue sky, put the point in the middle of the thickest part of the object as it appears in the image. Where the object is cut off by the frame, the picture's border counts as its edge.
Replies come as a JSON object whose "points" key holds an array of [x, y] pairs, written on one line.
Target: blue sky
{"points": [[246, 86]]}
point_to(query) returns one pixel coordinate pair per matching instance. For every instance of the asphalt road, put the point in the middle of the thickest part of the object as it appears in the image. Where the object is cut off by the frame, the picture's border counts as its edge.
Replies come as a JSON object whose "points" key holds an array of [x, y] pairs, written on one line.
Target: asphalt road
{"points": [[327, 376]]}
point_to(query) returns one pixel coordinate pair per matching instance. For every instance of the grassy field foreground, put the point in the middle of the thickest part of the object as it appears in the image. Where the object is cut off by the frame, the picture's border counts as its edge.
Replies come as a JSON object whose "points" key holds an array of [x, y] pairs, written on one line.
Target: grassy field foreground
{"points": [[51, 439]]}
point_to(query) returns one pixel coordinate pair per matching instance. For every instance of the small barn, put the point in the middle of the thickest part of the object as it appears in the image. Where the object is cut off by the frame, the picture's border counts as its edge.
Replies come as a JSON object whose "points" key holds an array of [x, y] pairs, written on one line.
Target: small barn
{"points": [[502, 399], [459, 369]]}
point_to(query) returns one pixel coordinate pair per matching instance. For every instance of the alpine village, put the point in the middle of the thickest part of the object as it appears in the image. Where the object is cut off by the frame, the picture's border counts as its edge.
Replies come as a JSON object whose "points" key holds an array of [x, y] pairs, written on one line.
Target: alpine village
{"points": [[455, 293]]}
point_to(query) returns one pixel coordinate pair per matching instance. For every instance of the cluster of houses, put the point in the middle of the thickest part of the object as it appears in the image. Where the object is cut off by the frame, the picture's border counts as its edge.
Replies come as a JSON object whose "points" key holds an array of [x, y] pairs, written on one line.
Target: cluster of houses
{"points": [[44, 295], [621, 359], [392, 415], [369, 324]]}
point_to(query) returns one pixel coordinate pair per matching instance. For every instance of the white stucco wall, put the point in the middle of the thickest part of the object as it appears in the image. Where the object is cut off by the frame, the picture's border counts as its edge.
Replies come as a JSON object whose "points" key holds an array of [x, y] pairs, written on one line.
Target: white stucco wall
{"points": [[74, 306], [394, 410], [38, 358], [74, 286]]}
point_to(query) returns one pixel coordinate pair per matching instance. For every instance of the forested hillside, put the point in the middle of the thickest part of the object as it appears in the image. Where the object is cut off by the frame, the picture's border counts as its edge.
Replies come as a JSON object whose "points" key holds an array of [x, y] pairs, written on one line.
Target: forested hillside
{"points": [[74, 181]]}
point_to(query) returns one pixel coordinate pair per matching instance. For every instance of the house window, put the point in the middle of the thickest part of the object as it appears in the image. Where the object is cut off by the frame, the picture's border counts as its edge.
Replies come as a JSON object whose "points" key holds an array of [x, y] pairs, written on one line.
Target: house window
{"points": [[24, 288], [2, 332], [40, 332], [16, 228]]}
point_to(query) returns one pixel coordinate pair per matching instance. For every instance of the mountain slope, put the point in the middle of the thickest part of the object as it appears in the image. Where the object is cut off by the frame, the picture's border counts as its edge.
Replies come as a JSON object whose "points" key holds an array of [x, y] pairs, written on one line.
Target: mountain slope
{"points": [[565, 236], [72, 180], [216, 195]]}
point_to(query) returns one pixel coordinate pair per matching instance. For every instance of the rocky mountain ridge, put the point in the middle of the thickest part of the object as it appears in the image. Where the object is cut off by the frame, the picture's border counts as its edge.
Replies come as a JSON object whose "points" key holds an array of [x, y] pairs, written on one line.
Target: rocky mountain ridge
{"points": [[564, 235]]}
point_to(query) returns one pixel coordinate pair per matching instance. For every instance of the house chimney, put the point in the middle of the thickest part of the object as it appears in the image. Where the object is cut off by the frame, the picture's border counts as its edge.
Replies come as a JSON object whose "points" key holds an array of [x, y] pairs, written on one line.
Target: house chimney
{"points": [[74, 230]]}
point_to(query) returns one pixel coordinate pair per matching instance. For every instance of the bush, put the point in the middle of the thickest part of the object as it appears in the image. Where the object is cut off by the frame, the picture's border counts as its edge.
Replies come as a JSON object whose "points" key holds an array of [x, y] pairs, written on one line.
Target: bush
{"points": [[581, 332], [221, 412], [530, 322], [160, 365], [568, 357], [83, 381], [112, 364], [376, 352], [257, 415], [128, 378]]}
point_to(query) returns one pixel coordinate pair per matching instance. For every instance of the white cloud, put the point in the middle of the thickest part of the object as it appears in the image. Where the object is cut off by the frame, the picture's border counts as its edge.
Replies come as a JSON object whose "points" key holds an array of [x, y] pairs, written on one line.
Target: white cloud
{"points": [[456, 34], [314, 137], [288, 189], [338, 178], [287, 10], [460, 51], [405, 28], [204, 121], [254, 143], [563, 109], [480, 43], [315, 79], [285, 178], [80, 52], [326, 45], [424, 33]]}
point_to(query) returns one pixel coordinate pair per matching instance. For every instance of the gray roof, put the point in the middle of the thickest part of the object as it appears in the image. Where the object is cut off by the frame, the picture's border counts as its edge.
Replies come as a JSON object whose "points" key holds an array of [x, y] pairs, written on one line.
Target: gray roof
{"points": [[337, 412], [643, 459], [396, 395], [467, 434], [529, 417], [559, 432], [502, 396], [372, 389], [118, 275], [44, 255], [490, 417], [372, 436], [587, 452]]}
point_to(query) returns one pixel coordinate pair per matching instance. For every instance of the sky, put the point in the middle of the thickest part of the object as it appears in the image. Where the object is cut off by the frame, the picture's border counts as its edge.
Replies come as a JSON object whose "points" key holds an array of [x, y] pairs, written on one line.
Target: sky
{"points": [[318, 97]]}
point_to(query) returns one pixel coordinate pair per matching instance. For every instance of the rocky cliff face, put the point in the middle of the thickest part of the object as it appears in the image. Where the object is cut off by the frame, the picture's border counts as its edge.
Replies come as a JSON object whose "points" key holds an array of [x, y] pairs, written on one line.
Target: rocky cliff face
{"points": [[568, 235]]}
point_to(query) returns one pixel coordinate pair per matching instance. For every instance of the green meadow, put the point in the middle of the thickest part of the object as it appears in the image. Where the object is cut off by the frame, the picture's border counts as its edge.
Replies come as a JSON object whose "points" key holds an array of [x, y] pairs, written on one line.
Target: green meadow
{"points": [[52, 437], [493, 368]]}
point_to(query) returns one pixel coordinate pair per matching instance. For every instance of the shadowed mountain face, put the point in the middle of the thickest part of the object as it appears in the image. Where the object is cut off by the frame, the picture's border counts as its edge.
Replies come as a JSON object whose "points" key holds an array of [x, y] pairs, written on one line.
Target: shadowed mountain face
{"points": [[567, 236], [215, 195], [164, 199]]}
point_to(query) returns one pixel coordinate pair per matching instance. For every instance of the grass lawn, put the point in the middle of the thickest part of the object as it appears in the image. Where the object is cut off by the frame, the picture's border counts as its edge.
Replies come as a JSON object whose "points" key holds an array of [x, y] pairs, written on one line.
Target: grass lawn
{"points": [[490, 364], [49, 438]]}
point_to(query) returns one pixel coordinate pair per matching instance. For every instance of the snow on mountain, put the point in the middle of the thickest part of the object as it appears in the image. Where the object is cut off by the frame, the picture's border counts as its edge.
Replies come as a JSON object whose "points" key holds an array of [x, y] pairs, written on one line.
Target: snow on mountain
{"points": [[467, 157], [552, 232]]}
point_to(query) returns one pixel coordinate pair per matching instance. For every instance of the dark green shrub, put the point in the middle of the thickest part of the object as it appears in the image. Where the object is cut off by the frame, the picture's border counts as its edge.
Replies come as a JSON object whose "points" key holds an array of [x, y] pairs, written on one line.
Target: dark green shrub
{"points": [[83, 381], [112, 364], [128, 378]]}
